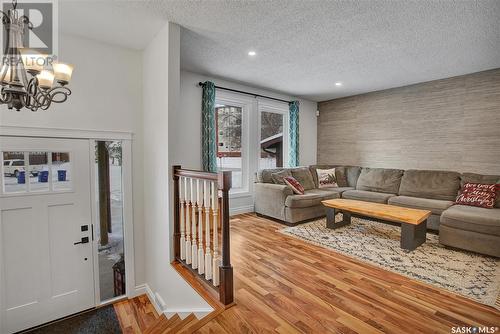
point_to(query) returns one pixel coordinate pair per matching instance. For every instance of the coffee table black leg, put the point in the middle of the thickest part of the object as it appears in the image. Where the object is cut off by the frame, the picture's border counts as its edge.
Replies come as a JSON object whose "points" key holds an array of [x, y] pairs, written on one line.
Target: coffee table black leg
{"points": [[413, 236], [330, 219]]}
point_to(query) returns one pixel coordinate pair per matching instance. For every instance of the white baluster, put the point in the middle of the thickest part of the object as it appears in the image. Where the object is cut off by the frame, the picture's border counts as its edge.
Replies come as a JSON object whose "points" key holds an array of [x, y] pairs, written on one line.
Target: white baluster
{"points": [[215, 214], [194, 246], [182, 221], [201, 256], [208, 252], [188, 222]]}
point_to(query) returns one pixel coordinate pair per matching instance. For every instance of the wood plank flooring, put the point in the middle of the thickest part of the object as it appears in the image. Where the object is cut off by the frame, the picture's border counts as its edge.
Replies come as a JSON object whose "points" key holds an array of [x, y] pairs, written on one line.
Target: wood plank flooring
{"points": [[285, 285], [136, 315]]}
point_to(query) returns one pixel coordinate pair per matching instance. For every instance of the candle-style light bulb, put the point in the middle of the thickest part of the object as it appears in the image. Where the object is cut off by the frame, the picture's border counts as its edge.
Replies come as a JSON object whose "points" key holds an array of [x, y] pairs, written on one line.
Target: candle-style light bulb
{"points": [[33, 61], [45, 79], [62, 72]]}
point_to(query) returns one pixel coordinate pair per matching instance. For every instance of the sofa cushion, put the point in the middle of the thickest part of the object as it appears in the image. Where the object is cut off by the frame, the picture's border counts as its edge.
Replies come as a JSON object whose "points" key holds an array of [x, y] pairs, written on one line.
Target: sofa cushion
{"points": [[430, 184], [338, 189], [469, 218], [303, 175], [278, 177], [379, 180], [480, 178], [352, 175], [436, 206], [369, 196], [265, 175], [310, 198]]}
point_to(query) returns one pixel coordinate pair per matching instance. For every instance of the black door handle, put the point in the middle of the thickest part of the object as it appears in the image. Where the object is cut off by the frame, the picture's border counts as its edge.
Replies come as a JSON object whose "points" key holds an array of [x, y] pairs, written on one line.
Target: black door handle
{"points": [[85, 240]]}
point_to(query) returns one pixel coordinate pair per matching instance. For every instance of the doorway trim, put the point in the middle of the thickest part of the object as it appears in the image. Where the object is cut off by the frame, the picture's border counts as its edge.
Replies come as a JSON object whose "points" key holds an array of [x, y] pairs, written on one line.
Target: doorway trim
{"points": [[128, 213]]}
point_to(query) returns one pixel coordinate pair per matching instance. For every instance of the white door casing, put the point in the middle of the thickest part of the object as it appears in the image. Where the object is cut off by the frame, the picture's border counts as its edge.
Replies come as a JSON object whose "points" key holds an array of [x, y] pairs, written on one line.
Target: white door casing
{"points": [[43, 275]]}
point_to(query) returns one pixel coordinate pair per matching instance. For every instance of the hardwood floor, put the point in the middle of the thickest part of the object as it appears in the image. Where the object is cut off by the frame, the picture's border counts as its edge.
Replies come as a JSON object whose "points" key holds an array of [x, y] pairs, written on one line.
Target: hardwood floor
{"points": [[136, 315], [287, 286]]}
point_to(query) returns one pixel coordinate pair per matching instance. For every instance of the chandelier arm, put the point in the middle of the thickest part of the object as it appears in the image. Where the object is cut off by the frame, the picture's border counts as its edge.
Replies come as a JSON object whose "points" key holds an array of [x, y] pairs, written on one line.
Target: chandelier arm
{"points": [[5, 17], [5, 98], [31, 91], [27, 21], [59, 92], [40, 97]]}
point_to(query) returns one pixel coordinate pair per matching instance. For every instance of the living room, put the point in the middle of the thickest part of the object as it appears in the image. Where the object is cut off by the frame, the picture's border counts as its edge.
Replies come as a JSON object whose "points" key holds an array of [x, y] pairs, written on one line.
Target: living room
{"points": [[251, 166]]}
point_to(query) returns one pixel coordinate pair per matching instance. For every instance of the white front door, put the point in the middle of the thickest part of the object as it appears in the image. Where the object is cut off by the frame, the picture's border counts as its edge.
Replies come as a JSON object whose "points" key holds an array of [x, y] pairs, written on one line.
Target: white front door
{"points": [[45, 274]]}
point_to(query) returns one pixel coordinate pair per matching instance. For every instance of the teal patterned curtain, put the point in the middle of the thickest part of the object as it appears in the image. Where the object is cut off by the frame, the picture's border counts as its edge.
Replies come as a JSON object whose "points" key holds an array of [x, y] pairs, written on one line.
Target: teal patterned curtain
{"points": [[293, 155], [208, 128]]}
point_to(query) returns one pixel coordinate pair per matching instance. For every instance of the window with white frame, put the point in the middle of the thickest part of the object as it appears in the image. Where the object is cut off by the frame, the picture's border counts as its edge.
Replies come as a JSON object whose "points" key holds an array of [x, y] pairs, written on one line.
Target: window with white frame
{"points": [[31, 172], [273, 135], [231, 114]]}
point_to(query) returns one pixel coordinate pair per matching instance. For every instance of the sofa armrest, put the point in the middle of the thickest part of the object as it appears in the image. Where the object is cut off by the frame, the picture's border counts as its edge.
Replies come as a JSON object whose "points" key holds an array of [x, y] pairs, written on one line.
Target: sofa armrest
{"points": [[270, 199]]}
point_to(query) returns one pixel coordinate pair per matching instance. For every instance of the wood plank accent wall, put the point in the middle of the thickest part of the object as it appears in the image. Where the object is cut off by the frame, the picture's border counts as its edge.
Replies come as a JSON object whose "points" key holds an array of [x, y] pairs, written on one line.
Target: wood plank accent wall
{"points": [[448, 124]]}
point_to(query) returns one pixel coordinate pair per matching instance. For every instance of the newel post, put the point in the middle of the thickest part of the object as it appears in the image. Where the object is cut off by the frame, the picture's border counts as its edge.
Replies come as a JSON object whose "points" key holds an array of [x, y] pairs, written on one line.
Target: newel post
{"points": [[177, 233], [226, 269]]}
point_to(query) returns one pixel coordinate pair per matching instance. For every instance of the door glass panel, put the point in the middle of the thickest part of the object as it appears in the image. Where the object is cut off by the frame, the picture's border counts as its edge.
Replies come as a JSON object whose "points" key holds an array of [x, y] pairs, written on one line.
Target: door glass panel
{"points": [[271, 140], [14, 172], [229, 145], [61, 171], [39, 171], [110, 228]]}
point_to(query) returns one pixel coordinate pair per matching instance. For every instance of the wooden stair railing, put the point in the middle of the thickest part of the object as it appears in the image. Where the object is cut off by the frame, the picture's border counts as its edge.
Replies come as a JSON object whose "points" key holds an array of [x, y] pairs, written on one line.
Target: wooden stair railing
{"points": [[201, 227]]}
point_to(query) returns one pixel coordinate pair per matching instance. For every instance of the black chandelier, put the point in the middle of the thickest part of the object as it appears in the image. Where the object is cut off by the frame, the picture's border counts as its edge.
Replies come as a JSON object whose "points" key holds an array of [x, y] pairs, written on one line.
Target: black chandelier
{"points": [[28, 78]]}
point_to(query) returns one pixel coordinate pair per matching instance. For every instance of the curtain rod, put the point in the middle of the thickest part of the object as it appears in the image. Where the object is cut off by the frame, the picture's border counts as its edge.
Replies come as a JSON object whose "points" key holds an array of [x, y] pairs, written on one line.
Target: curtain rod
{"points": [[247, 93]]}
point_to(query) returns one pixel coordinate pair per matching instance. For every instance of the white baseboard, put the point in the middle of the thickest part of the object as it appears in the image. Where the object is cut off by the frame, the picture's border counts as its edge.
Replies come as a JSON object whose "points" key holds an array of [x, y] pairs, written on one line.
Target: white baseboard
{"points": [[161, 307], [138, 290], [241, 209], [152, 299]]}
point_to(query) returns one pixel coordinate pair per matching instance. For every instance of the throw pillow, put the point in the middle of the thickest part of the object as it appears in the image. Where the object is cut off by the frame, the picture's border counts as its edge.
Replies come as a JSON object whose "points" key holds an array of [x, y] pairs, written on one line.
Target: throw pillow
{"points": [[279, 176], [478, 194], [294, 184], [326, 178], [304, 176]]}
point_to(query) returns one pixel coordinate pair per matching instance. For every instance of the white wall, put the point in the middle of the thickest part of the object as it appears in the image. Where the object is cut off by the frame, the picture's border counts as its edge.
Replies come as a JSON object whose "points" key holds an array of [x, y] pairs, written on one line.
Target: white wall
{"points": [[160, 276], [104, 74], [188, 127]]}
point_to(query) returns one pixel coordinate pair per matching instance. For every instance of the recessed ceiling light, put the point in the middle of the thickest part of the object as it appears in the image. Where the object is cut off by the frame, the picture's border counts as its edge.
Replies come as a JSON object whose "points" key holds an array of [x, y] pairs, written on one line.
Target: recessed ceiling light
{"points": [[338, 84], [252, 53]]}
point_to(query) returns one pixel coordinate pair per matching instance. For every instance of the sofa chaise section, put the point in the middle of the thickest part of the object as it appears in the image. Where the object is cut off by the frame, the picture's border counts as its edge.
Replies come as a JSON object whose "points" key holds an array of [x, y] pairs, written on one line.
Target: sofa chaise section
{"points": [[471, 228]]}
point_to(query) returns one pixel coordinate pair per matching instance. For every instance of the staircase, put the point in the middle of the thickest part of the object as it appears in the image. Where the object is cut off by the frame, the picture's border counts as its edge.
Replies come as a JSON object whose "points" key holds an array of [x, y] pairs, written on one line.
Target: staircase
{"points": [[174, 325], [138, 315], [201, 247]]}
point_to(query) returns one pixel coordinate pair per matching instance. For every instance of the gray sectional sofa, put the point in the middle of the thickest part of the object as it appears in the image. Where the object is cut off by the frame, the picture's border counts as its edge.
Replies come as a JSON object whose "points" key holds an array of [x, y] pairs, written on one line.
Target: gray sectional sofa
{"points": [[465, 227]]}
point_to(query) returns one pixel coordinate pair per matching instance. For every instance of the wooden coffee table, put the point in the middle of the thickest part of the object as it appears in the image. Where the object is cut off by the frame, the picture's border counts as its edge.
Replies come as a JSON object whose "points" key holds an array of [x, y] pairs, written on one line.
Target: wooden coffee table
{"points": [[413, 221]]}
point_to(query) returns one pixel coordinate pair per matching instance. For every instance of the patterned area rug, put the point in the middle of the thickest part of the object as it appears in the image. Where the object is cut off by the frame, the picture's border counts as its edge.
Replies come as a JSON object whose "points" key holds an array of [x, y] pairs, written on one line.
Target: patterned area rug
{"points": [[468, 274]]}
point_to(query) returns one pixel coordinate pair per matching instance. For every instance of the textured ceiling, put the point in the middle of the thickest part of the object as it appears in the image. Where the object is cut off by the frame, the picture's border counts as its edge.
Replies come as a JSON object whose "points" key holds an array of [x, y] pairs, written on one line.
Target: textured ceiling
{"points": [[304, 47]]}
